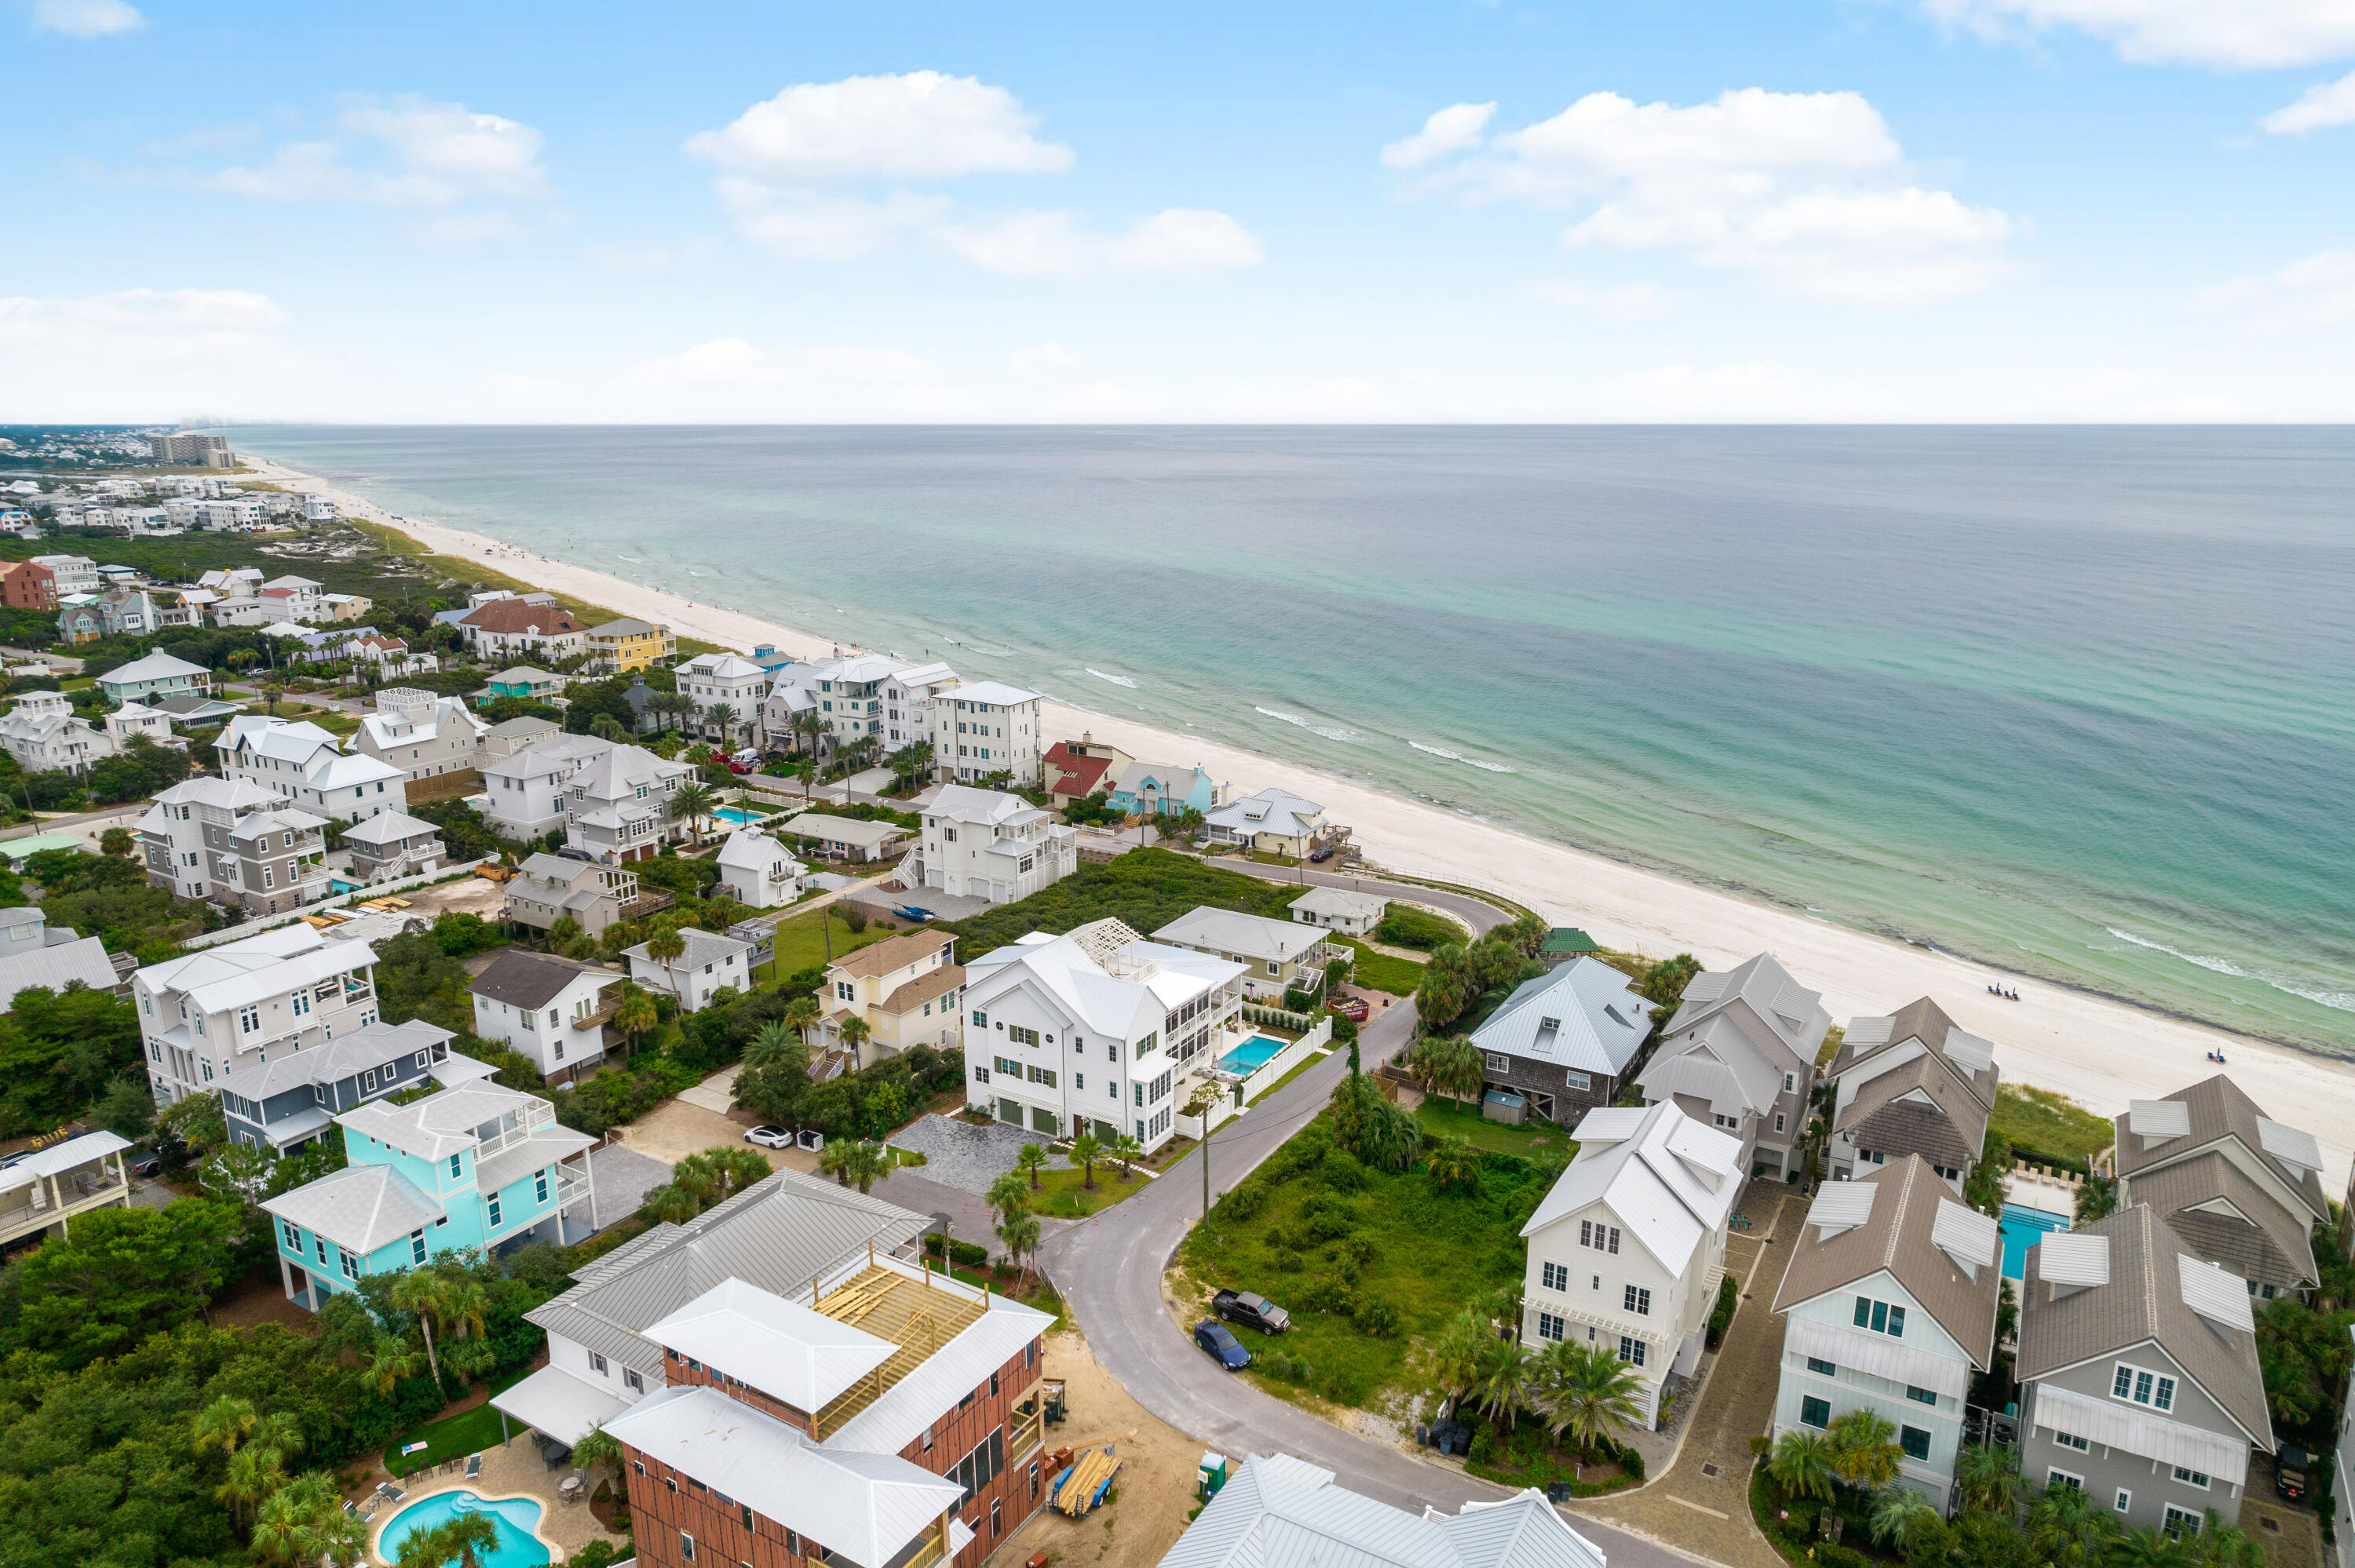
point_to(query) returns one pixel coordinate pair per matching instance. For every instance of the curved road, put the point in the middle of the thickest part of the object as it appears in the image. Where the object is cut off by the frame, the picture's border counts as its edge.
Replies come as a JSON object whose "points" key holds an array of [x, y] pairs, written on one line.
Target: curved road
{"points": [[1481, 916], [1109, 1270]]}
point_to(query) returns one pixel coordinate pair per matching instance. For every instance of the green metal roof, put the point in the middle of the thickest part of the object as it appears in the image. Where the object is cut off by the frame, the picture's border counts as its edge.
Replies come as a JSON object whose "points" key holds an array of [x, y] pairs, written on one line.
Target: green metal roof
{"points": [[1570, 940]]}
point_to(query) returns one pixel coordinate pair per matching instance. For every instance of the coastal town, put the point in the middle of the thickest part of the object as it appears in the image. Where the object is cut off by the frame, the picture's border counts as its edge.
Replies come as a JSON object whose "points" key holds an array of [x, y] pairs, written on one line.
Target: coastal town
{"points": [[491, 1078]]}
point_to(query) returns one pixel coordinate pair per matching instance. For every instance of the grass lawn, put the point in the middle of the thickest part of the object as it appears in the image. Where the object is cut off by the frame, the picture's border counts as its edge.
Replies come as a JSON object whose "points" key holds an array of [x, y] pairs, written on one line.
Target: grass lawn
{"points": [[1368, 1262], [453, 1436], [802, 941], [1380, 971], [2052, 1123], [1059, 1193], [1287, 1078], [1147, 889], [1449, 1119]]}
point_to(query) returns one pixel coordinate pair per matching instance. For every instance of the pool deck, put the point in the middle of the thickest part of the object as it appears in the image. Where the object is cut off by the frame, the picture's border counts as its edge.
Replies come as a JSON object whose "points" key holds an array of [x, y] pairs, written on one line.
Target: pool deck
{"points": [[514, 1470]]}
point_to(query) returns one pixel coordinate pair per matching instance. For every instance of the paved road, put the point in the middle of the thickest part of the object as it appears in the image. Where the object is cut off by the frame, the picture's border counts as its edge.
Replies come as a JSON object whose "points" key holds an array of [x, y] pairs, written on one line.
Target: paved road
{"points": [[1109, 1269], [1480, 916]]}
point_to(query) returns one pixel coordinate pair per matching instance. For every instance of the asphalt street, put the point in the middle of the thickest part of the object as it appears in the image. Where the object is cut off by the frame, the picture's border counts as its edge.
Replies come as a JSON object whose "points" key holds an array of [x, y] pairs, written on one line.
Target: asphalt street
{"points": [[1109, 1269], [1481, 917]]}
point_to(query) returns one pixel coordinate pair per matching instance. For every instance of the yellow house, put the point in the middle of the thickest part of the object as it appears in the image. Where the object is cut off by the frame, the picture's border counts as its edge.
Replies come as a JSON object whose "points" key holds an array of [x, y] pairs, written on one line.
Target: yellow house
{"points": [[904, 989], [624, 645]]}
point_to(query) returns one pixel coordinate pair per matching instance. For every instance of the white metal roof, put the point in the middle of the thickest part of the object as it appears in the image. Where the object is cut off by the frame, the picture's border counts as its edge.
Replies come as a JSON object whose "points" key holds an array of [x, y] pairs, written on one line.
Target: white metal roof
{"points": [[1899, 1361], [1842, 1206], [61, 1157], [2290, 1145], [388, 827], [1670, 1183], [2139, 1431], [1583, 1016], [371, 1046], [258, 967], [864, 1506], [359, 1208], [2223, 1298], [438, 1125], [2159, 1119], [1247, 936], [2069, 1257], [1341, 901], [1965, 1235], [55, 967], [781, 1348], [553, 1401], [995, 694], [154, 667]]}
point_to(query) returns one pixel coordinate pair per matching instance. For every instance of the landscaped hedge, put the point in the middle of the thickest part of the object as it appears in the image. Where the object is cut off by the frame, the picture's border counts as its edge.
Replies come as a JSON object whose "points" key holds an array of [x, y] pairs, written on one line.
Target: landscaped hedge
{"points": [[1729, 1293], [965, 1253], [1529, 1457]]}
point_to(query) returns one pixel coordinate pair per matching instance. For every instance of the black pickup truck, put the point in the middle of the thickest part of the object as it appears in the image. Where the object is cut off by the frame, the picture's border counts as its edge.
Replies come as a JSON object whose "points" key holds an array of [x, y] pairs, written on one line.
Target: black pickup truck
{"points": [[1251, 1310]]}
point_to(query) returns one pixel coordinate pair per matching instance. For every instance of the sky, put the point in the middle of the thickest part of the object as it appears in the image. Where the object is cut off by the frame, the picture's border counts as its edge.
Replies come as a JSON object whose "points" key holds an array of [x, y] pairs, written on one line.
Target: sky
{"points": [[1621, 210]]}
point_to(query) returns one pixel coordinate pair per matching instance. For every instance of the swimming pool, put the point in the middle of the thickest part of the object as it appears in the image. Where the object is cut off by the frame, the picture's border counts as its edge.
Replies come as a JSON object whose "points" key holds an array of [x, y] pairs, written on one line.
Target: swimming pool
{"points": [[740, 816], [2022, 1228], [1251, 1056], [512, 1517]]}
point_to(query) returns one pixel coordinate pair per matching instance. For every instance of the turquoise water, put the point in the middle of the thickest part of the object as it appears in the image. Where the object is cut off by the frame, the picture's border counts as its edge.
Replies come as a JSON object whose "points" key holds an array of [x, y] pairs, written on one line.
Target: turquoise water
{"points": [[2078, 702], [739, 815], [512, 1517], [1251, 1055], [2022, 1228]]}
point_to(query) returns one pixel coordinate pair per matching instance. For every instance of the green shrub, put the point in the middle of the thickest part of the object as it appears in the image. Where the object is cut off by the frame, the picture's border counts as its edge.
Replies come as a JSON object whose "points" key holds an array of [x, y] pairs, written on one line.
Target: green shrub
{"points": [[963, 1253], [1377, 1316], [1729, 1293], [1406, 926]]}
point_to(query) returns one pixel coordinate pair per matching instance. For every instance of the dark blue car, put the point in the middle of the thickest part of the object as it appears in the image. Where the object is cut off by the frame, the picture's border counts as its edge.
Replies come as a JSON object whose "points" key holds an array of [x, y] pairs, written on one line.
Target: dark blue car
{"points": [[1225, 1347]]}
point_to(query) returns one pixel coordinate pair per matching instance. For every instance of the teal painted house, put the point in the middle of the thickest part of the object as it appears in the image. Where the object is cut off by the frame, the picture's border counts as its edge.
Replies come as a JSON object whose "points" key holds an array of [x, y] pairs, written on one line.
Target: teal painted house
{"points": [[474, 1165], [1155, 789]]}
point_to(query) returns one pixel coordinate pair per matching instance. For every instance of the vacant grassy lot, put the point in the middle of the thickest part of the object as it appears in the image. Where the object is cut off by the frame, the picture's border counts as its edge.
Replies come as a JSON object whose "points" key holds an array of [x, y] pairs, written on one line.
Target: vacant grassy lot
{"points": [[1147, 889], [1380, 971], [1368, 1262], [2052, 1123], [803, 941], [1453, 1119]]}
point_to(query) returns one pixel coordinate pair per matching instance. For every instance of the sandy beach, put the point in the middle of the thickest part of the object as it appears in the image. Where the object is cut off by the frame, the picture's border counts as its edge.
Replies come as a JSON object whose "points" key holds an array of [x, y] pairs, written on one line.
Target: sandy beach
{"points": [[2098, 1051]]}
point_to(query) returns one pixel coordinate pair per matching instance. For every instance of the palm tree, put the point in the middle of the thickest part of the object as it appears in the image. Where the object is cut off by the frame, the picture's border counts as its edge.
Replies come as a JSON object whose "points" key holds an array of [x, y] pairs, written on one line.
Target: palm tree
{"points": [[722, 718], [1802, 1466], [1897, 1513], [2149, 1547], [598, 1450], [1020, 1234], [800, 1014], [468, 1539], [1863, 1445], [774, 1039], [1589, 1392], [1031, 1160], [1450, 1065], [224, 1421], [605, 726], [1086, 1149], [1989, 1475], [635, 1015], [2067, 1530], [1124, 1148], [671, 1203], [667, 945], [855, 1032], [304, 1521], [390, 1358], [1009, 1195], [695, 800], [253, 1475], [697, 1176], [466, 1305], [1503, 1379], [1455, 1164], [865, 1163], [2219, 1545], [278, 1432], [1456, 1357], [419, 1291], [739, 1168]]}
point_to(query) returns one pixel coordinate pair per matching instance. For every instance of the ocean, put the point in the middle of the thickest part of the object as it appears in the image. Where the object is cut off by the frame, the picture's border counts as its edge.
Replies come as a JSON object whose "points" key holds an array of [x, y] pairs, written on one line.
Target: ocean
{"points": [[2077, 702]]}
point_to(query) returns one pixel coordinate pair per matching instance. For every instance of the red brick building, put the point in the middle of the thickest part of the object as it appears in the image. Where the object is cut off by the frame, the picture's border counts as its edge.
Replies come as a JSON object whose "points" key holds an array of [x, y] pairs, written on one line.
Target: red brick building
{"points": [[890, 1420], [27, 585]]}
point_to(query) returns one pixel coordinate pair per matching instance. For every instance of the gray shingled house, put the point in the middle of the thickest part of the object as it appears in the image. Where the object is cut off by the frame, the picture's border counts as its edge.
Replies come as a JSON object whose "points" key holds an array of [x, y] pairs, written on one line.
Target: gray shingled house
{"points": [[1565, 1041], [296, 1097], [2243, 1190], [1911, 1083]]}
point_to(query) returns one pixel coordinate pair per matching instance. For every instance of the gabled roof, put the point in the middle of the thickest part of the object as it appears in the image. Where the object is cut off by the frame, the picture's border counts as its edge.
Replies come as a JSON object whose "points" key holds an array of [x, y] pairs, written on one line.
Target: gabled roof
{"points": [[371, 1046], [521, 977], [359, 1208], [55, 967], [1969, 1059], [1921, 1106], [1342, 901], [1902, 1219], [516, 616], [1764, 997], [619, 772], [1077, 774], [2143, 1298], [1231, 931], [855, 831], [258, 967], [924, 988], [983, 808], [1717, 1060], [1272, 810], [2227, 1218], [440, 1125], [1151, 979], [624, 626], [751, 847], [1583, 1016], [2215, 1109], [154, 667], [388, 827], [723, 667], [893, 953], [702, 948], [1668, 1180]]}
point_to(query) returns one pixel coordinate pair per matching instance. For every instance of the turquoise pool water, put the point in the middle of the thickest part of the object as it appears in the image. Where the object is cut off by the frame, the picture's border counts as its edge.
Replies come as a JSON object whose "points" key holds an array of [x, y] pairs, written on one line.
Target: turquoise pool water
{"points": [[740, 816], [1251, 1055], [512, 1517], [2022, 1228]]}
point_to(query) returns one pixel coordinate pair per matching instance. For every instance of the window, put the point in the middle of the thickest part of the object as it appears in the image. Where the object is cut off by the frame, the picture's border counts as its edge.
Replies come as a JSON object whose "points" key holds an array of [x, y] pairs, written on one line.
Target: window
{"points": [[1790, 1082], [686, 1544], [293, 1237], [1821, 1367], [1914, 1442], [1636, 1299], [597, 1364], [1580, 1081], [1815, 1413], [249, 1019], [417, 1245], [2181, 1521], [2123, 1502], [2192, 1478], [1778, 1121], [540, 1186], [1080, 1081], [1920, 1395], [1556, 1278], [1598, 1235], [2143, 1387], [632, 1381], [1498, 1062], [351, 1264], [454, 1168], [1631, 1350], [1881, 1316], [494, 1211], [980, 1019], [367, 1080], [2070, 1440], [2064, 1478], [1043, 1075], [1021, 1036], [1007, 1066], [1549, 1326]]}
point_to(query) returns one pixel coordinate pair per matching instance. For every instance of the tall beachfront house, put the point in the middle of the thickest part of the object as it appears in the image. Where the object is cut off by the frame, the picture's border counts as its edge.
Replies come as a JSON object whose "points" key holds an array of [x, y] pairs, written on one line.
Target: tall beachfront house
{"points": [[620, 646], [990, 845], [1890, 1300], [987, 728], [1911, 1083], [220, 1011], [2244, 1190], [1739, 1054], [1625, 1250], [713, 681], [1090, 1031], [473, 1165]]}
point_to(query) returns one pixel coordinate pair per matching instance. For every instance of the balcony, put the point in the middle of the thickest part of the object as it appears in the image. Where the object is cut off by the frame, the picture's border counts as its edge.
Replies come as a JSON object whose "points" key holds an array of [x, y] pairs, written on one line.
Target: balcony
{"points": [[648, 902], [603, 1013]]}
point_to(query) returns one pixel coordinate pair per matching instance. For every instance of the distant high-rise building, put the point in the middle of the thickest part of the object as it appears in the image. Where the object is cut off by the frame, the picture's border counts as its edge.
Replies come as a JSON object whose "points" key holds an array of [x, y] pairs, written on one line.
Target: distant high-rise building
{"points": [[184, 448]]}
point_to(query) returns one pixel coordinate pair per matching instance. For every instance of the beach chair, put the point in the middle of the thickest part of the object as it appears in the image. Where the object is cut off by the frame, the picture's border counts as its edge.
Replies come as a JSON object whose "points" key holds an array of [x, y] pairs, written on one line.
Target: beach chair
{"points": [[475, 1466]]}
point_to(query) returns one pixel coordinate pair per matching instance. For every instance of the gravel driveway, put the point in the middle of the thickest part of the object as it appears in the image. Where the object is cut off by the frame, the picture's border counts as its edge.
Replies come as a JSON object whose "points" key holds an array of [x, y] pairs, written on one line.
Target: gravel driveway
{"points": [[960, 1155]]}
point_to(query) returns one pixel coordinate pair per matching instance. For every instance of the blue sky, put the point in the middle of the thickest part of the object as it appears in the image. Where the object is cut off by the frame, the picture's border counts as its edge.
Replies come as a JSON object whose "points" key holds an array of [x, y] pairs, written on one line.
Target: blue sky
{"points": [[1858, 210]]}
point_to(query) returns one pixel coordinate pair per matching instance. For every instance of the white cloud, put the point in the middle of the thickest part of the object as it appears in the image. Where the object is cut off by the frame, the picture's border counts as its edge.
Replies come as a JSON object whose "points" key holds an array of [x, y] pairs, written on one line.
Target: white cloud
{"points": [[86, 18], [2236, 33], [920, 125], [1181, 240], [2317, 109], [1046, 359], [144, 354], [813, 225], [405, 151], [732, 378], [2317, 292], [1806, 190], [1454, 129], [1623, 302]]}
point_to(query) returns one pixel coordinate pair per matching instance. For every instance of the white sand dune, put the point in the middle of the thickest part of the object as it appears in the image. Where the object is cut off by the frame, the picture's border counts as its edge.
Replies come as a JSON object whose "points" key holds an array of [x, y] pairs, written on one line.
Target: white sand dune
{"points": [[2101, 1052]]}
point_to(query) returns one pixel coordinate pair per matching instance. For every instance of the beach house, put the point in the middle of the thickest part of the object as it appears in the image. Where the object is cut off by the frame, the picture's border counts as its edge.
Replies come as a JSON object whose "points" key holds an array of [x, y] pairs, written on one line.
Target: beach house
{"points": [[27, 585], [620, 646], [421, 734], [1563, 1043], [547, 888], [1739, 1054], [985, 729], [1277, 956], [393, 844], [156, 676], [138, 718], [48, 1187], [1076, 770], [293, 1100], [42, 732], [716, 681], [904, 991], [1274, 822], [988, 844], [471, 1165], [755, 870], [519, 628], [1910, 1083], [526, 683], [2244, 1190], [1889, 1304], [2138, 1376], [844, 838], [617, 804], [221, 1010], [1277, 1509], [34, 954], [1340, 909], [709, 964], [1160, 789], [1626, 1249], [552, 1009], [306, 767], [526, 785], [1090, 1030]]}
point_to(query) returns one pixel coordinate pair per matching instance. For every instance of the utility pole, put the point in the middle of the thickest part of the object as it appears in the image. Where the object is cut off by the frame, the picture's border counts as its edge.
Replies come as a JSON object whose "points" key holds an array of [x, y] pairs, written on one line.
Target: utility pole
{"points": [[1206, 1160]]}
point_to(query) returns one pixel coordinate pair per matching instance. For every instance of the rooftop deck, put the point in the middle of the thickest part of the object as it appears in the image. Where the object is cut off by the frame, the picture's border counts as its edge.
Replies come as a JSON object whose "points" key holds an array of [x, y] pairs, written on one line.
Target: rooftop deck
{"points": [[919, 1316]]}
